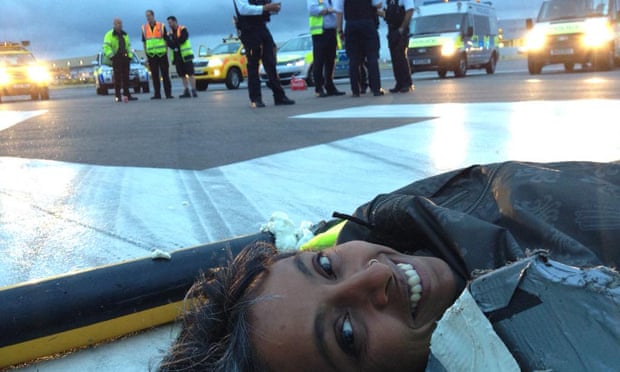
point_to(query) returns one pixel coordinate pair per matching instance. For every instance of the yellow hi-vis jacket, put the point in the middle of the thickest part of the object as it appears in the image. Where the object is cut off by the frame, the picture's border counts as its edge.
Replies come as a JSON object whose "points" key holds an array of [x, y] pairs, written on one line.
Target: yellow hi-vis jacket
{"points": [[111, 46]]}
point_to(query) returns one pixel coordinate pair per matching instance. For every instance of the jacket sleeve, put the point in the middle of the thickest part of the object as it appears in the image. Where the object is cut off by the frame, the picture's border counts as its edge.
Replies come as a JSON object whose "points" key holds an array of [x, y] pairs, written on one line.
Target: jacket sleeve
{"points": [[108, 51], [315, 8]]}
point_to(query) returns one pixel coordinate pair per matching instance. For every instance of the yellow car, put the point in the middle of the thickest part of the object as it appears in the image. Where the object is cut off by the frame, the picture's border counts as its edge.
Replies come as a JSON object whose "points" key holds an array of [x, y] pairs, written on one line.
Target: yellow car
{"points": [[226, 63], [20, 74]]}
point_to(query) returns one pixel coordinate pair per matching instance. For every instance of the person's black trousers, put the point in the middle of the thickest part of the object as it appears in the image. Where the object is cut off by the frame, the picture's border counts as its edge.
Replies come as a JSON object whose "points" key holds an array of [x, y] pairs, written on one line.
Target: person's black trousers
{"points": [[160, 68], [398, 54], [362, 42], [324, 54], [259, 45], [120, 66]]}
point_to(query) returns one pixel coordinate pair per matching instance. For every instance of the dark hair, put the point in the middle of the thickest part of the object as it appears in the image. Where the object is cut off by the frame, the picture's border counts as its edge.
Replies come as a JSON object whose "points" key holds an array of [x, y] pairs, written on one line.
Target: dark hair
{"points": [[214, 332], [173, 18], [149, 11]]}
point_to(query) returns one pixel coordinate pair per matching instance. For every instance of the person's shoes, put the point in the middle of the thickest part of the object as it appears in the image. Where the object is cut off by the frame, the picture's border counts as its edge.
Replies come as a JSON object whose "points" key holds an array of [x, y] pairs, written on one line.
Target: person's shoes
{"points": [[396, 89], [156, 97], [335, 93], [355, 95], [284, 101], [118, 99], [194, 94], [170, 97], [185, 94], [378, 93], [320, 93], [406, 89], [131, 98], [257, 104]]}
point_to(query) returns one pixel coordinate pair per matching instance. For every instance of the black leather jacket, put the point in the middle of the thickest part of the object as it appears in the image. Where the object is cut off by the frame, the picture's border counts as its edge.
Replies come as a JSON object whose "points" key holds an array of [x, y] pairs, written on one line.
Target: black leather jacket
{"points": [[486, 216]]}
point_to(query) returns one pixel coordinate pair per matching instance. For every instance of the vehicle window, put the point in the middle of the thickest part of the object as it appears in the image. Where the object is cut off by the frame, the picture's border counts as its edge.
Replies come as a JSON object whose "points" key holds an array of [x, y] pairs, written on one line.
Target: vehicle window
{"points": [[297, 44], [16, 59], [227, 48], [554, 10], [481, 26], [437, 24]]}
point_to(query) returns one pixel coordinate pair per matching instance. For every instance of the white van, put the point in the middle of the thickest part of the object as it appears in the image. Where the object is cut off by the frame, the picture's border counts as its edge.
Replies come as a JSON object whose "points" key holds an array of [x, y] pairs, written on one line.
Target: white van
{"points": [[585, 32], [454, 36]]}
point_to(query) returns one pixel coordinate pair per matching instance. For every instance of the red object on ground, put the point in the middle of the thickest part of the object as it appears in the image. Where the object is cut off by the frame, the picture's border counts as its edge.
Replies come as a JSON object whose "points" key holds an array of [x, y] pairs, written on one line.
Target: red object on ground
{"points": [[298, 84]]}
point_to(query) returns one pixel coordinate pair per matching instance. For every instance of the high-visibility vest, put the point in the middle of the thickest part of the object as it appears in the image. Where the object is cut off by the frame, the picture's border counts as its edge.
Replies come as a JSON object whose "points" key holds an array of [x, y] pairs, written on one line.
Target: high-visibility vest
{"points": [[316, 22], [154, 39], [186, 48], [111, 46]]}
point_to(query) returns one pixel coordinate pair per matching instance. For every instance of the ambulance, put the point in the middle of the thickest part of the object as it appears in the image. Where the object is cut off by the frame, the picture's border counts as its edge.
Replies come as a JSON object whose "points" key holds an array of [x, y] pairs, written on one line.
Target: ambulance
{"points": [[454, 36], [570, 32]]}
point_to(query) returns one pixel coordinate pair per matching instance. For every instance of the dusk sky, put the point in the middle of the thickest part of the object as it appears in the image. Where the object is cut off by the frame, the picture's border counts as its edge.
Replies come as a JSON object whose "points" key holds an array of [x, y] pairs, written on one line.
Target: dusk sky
{"points": [[70, 28]]}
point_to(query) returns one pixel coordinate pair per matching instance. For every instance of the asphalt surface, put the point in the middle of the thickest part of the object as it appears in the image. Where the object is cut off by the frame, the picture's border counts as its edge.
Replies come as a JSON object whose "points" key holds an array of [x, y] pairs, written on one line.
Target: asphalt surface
{"points": [[219, 127]]}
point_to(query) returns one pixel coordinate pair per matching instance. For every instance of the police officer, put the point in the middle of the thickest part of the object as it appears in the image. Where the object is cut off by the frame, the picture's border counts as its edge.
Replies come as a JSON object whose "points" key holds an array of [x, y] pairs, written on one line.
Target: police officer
{"points": [[117, 48], [361, 40], [397, 16], [324, 45], [178, 40], [154, 40], [252, 18]]}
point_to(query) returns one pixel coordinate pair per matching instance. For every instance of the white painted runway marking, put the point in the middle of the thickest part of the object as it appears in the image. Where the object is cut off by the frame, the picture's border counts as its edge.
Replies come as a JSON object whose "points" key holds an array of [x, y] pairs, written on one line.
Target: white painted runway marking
{"points": [[11, 118]]}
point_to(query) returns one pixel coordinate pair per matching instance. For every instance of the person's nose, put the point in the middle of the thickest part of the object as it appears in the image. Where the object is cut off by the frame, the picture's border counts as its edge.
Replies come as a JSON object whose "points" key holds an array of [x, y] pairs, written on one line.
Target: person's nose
{"points": [[367, 285]]}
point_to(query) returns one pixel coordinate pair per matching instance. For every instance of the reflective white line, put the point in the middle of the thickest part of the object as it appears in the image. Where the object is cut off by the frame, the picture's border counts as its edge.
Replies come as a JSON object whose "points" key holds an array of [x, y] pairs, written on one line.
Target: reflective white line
{"points": [[11, 118]]}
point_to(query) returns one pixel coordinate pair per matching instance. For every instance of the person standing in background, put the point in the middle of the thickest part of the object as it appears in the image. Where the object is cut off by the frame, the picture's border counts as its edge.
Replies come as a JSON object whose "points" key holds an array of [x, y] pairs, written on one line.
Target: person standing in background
{"points": [[117, 49], [252, 19], [398, 16], [156, 49], [178, 40], [324, 45], [361, 39]]}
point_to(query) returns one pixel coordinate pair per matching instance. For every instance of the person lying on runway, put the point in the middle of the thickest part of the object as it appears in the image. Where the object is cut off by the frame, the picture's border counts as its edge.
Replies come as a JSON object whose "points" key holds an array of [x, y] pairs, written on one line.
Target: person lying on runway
{"points": [[371, 302]]}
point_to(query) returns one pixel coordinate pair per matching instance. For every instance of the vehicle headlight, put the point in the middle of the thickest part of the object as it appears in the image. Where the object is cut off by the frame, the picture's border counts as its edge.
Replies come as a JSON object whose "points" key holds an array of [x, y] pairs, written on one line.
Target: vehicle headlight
{"points": [[4, 77], [597, 34], [535, 39], [448, 48], [38, 74], [296, 62], [216, 62]]}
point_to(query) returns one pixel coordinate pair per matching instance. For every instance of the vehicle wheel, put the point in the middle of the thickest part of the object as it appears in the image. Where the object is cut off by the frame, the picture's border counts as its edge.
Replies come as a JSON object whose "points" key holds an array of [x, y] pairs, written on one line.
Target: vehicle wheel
{"points": [[490, 67], [233, 78], [442, 72], [461, 68], [569, 67], [533, 66], [202, 85], [44, 94], [146, 88], [310, 77], [34, 96]]}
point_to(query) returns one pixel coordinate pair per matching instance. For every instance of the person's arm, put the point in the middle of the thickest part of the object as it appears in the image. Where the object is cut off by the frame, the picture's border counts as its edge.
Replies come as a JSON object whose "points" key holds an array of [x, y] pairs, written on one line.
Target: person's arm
{"points": [[164, 32], [408, 5], [318, 9], [144, 39], [377, 4], [247, 9], [338, 6]]}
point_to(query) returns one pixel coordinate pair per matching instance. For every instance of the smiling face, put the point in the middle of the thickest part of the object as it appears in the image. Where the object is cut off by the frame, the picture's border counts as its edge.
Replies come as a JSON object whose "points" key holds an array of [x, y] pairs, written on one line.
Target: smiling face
{"points": [[358, 306]]}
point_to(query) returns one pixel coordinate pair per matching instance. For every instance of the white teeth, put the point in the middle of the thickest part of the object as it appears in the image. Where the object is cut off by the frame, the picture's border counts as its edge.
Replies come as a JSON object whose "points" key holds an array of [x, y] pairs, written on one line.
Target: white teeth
{"points": [[413, 280]]}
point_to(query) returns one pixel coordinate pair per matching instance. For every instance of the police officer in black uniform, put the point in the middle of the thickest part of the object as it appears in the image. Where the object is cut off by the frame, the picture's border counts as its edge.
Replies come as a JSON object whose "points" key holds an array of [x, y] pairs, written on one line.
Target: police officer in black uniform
{"points": [[361, 40], [397, 16], [252, 18]]}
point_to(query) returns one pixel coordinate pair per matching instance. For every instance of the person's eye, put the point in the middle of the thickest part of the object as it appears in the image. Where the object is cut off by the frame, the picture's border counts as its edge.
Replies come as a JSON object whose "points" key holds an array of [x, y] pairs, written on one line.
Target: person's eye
{"points": [[325, 264], [347, 338]]}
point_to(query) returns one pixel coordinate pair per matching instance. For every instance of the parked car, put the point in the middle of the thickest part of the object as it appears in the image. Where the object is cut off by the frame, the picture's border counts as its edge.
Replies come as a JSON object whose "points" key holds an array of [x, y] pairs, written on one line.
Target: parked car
{"points": [[104, 75], [226, 63], [20, 73], [295, 59]]}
